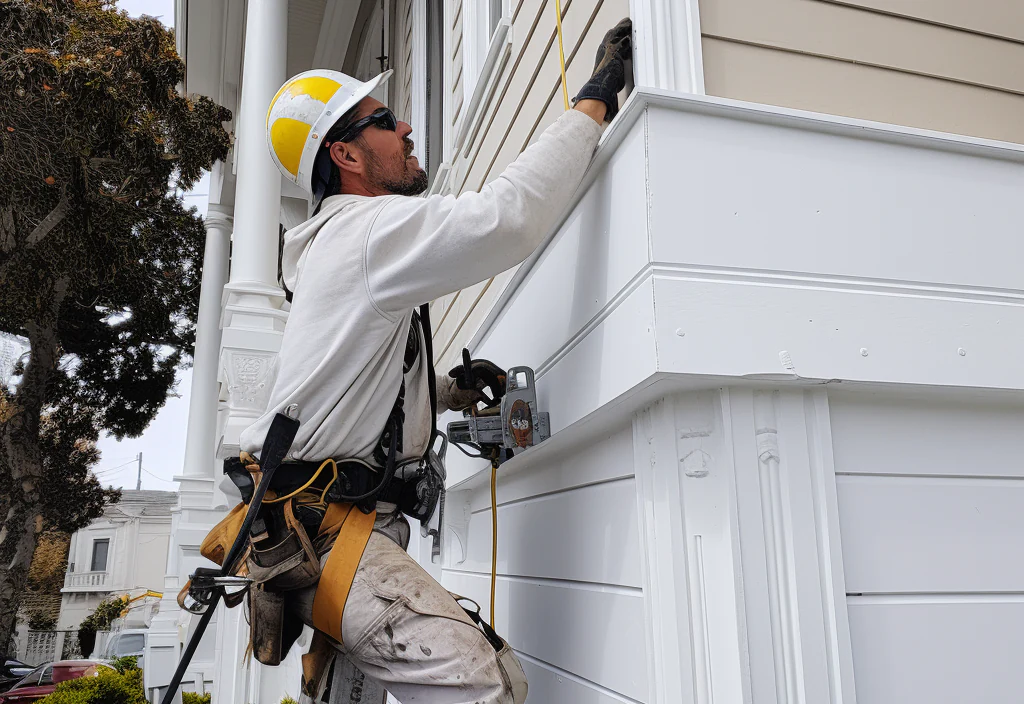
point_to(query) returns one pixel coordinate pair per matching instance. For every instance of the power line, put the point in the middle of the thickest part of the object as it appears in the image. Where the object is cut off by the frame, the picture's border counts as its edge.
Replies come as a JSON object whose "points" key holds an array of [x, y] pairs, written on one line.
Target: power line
{"points": [[169, 481], [110, 469]]}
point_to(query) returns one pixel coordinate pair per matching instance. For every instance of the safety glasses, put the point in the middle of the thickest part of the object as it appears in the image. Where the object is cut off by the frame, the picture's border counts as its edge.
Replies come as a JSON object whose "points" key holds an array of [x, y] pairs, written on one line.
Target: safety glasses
{"points": [[382, 118]]}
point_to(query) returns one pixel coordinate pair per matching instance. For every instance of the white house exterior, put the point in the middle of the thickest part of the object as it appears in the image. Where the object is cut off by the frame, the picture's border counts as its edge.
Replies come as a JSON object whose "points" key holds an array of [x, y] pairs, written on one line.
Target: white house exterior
{"points": [[781, 349], [125, 550]]}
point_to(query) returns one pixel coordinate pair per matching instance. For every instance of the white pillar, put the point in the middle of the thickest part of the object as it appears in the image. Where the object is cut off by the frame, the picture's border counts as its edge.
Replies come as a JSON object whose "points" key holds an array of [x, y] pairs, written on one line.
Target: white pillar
{"points": [[253, 320], [195, 513], [201, 435]]}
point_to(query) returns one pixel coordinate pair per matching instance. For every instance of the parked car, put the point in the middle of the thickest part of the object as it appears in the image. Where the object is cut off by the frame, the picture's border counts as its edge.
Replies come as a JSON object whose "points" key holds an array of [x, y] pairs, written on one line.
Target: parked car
{"points": [[11, 671], [45, 678], [128, 641]]}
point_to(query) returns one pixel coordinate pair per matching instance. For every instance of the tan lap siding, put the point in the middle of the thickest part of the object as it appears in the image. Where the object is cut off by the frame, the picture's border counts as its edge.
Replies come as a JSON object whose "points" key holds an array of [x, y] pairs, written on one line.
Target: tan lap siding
{"points": [[940, 65], [526, 100]]}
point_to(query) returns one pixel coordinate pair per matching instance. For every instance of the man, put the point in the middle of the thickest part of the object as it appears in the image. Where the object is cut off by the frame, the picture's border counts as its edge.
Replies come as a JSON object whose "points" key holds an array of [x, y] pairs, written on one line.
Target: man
{"points": [[353, 358]]}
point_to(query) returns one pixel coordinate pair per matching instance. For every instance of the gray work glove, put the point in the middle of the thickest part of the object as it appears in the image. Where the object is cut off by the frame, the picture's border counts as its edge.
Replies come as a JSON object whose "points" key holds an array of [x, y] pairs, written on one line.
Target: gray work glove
{"points": [[455, 393], [610, 69]]}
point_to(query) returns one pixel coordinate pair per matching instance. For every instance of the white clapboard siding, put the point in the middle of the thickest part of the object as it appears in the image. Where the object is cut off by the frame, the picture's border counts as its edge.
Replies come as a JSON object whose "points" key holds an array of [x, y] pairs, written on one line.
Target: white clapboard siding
{"points": [[948, 650], [988, 436], [569, 590], [930, 493], [950, 534]]}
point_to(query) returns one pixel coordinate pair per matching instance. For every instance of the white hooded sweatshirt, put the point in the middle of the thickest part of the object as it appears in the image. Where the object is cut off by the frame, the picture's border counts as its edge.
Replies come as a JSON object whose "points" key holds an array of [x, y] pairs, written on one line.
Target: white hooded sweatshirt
{"points": [[361, 266]]}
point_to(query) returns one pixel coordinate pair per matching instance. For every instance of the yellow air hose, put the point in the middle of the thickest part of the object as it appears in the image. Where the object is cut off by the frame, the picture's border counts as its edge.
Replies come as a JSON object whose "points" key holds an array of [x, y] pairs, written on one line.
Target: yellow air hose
{"points": [[561, 52], [494, 461]]}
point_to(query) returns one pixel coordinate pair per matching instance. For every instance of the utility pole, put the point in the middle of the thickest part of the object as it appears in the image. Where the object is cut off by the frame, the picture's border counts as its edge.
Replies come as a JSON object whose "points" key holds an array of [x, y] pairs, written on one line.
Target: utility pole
{"points": [[138, 482]]}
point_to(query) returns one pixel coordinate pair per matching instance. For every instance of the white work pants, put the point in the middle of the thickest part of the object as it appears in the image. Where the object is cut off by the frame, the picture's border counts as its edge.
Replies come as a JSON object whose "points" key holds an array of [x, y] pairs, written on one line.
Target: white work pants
{"points": [[401, 628]]}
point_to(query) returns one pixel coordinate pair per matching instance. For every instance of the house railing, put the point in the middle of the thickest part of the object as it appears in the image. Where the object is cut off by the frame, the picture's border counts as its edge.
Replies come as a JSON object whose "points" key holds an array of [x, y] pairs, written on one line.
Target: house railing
{"points": [[38, 647], [86, 579]]}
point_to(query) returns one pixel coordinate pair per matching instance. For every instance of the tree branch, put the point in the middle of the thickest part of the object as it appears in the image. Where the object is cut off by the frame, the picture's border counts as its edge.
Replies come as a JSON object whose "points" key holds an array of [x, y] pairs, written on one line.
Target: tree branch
{"points": [[47, 224]]}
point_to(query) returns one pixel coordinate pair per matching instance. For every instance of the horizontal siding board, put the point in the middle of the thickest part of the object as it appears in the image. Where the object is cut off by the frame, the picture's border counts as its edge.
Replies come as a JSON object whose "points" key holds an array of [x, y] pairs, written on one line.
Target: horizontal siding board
{"points": [[851, 34], [607, 459], [997, 18], [589, 534], [550, 685], [760, 75], [912, 436], [596, 635], [940, 653], [909, 534], [517, 76]]}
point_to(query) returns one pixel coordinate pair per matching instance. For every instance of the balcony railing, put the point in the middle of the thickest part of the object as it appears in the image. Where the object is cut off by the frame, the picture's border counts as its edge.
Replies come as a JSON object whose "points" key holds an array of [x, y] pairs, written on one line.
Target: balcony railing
{"points": [[86, 580]]}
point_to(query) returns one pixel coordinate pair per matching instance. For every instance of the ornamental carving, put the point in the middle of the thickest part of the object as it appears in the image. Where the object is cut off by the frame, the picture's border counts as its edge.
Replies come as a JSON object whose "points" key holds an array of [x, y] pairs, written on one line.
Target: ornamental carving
{"points": [[249, 377]]}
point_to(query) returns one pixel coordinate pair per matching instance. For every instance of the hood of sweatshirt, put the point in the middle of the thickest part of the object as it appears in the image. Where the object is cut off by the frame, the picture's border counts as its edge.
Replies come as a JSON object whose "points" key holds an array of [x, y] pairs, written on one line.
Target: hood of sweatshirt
{"points": [[298, 239]]}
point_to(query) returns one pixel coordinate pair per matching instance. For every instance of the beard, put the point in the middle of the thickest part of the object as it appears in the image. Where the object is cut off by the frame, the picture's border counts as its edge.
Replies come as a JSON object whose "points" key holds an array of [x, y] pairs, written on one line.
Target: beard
{"points": [[396, 176]]}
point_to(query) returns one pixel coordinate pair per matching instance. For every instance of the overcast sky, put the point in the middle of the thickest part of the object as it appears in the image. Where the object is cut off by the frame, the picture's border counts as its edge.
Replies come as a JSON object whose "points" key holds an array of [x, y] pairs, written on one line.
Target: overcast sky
{"points": [[163, 444]]}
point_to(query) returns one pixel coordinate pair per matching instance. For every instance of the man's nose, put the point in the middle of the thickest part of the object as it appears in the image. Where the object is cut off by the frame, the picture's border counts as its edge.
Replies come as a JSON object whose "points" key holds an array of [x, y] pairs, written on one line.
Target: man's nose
{"points": [[404, 129]]}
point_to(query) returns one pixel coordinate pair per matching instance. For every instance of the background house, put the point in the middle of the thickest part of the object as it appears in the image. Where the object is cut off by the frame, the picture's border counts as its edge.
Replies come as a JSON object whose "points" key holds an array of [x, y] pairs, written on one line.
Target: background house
{"points": [[779, 343], [123, 551]]}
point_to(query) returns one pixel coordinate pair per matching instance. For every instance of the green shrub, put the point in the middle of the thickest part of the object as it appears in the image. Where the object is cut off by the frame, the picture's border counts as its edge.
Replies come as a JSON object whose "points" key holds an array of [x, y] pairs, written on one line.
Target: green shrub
{"points": [[108, 687], [193, 698], [125, 663], [288, 700]]}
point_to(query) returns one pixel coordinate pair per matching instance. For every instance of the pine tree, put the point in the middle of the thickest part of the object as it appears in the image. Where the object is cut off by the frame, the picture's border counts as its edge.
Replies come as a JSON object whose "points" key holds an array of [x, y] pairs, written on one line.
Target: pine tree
{"points": [[100, 261]]}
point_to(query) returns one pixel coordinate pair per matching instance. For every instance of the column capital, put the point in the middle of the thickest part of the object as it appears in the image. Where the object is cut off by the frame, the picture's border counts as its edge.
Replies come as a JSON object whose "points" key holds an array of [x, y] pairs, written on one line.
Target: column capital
{"points": [[220, 217]]}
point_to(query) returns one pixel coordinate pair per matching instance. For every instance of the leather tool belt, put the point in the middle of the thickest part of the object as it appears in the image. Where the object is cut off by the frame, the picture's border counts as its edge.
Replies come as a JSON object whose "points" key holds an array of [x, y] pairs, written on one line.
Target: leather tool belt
{"points": [[297, 525]]}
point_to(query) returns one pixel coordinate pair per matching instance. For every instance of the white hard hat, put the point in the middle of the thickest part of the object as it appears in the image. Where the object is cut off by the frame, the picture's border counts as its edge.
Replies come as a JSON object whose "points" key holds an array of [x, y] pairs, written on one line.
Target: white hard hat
{"points": [[302, 112]]}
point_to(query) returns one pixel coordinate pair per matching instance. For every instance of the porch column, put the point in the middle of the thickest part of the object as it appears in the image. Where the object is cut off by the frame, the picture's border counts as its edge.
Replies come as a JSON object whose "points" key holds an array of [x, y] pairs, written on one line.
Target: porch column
{"points": [[201, 433], [253, 319]]}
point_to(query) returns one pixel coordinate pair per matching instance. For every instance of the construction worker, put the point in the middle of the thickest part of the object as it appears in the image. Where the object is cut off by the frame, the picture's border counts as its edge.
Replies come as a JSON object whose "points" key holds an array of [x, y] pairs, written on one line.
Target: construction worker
{"points": [[354, 357]]}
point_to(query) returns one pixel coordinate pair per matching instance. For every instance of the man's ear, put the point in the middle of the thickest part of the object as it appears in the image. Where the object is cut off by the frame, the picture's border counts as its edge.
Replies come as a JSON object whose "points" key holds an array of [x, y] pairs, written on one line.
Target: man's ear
{"points": [[347, 157]]}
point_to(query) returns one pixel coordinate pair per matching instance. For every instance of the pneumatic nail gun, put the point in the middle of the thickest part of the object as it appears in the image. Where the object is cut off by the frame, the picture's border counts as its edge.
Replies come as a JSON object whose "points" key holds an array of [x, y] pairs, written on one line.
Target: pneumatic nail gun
{"points": [[498, 431]]}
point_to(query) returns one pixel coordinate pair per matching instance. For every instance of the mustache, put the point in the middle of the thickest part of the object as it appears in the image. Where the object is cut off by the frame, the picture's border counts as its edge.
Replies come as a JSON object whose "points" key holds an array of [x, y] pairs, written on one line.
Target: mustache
{"points": [[409, 146]]}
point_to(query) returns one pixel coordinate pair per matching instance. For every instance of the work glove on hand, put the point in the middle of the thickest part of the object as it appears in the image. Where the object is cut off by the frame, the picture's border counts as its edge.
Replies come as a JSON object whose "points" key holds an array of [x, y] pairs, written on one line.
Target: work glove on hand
{"points": [[610, 69], [455, 393]]}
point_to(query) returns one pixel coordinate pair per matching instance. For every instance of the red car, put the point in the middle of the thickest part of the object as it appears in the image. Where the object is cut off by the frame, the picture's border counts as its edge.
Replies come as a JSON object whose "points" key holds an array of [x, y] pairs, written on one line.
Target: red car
{"points": [[45, 678]]}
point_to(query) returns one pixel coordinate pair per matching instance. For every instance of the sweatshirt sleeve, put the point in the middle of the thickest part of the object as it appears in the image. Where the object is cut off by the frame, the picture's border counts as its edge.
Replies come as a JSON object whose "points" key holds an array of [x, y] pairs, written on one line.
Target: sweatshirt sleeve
{"points": [[419, 249]]}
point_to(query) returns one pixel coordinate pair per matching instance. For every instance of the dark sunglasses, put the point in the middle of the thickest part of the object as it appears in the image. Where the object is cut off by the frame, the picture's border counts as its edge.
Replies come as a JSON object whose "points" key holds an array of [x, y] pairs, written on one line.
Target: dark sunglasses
{"points": [[382, 118]]}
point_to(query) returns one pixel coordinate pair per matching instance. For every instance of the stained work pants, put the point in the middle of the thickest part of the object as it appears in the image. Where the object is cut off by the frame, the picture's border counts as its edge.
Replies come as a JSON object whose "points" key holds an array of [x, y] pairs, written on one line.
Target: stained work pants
{"points": [[401, 628]]}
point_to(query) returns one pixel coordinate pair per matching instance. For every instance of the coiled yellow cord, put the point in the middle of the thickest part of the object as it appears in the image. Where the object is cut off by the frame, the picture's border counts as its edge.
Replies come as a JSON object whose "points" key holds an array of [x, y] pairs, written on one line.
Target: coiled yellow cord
{"points": [[561, 53], [334, 466]]}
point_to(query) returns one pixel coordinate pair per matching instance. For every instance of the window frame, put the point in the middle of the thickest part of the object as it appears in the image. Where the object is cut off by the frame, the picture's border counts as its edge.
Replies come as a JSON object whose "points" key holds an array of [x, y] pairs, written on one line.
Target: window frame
{"points": [[106, 555], [479, 28]]}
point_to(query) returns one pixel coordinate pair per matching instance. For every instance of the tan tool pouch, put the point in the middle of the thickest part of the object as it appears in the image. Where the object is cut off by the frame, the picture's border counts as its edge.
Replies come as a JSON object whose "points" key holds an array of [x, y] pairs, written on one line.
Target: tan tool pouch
{"points": [[287, 564]]}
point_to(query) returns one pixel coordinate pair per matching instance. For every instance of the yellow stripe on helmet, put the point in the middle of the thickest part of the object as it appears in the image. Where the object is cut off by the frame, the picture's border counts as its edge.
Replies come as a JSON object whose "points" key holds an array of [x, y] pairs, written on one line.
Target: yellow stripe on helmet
{"points": [[288, 137]]}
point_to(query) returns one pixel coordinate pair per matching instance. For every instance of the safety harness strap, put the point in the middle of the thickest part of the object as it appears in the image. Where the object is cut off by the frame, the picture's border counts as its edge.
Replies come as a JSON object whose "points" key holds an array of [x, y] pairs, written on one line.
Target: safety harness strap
{"points": [[340, 569]]}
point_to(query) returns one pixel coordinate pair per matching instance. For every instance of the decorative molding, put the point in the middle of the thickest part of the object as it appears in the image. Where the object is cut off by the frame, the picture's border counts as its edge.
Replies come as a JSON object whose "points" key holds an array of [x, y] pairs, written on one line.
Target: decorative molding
{"points": [[457, 516], [777, 548], [250, 377], [667, 45], [663, 555]]}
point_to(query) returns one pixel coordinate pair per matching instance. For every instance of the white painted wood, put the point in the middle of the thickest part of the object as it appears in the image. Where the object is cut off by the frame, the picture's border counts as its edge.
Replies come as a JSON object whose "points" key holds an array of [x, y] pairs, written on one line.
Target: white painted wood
{"points": [[918, 436], [666, 604], [595, 633], [748, 178], [931, 534], [551, 684], [790, 330], [595, 529], [947, 651], [667, 44]]}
